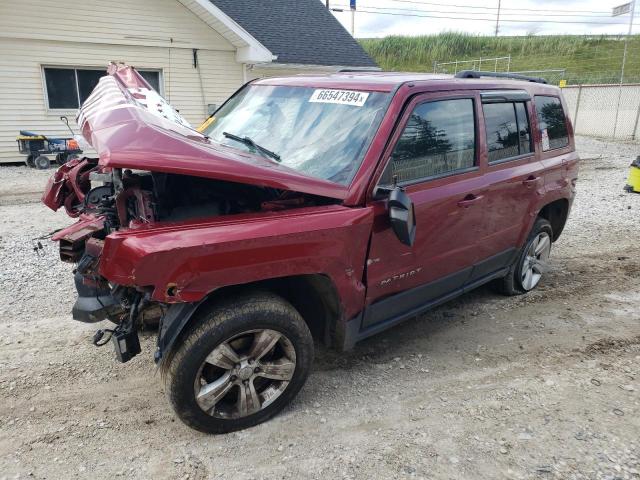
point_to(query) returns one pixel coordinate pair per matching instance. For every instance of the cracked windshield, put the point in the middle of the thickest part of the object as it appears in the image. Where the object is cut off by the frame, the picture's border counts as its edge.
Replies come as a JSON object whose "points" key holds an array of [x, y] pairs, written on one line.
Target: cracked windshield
{"points": [[322, 133]]}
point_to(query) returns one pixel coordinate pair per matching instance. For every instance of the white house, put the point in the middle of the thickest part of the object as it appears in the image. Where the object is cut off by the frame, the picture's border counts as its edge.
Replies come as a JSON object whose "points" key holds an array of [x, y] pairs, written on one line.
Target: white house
{"points": [[195, 52]]}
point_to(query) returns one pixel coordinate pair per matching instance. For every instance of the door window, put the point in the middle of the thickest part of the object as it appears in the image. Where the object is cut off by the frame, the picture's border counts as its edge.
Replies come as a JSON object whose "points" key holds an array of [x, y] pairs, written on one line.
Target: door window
{"points": [[438, 139], [507, 130], [552, 122]]}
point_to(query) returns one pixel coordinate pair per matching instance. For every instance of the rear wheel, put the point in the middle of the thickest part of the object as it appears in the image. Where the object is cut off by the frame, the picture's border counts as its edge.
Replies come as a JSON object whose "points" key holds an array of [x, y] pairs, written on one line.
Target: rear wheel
{"points": [[526, 273], [242, 362], [42, 162]]}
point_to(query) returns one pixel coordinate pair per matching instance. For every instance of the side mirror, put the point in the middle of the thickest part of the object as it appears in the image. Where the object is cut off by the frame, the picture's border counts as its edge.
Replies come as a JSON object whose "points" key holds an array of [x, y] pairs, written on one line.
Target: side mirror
{"points": [[402, 216]]}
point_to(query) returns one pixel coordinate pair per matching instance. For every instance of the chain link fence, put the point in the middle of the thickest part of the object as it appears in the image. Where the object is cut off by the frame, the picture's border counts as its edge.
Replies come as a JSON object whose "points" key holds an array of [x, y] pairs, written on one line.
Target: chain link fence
{"points": [[610, 111], [601, 86]]}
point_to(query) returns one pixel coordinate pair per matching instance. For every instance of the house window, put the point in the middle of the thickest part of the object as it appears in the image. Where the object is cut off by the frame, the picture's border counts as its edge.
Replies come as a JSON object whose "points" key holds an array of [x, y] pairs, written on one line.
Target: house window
{"points": [[507, 128], [68, 88]]}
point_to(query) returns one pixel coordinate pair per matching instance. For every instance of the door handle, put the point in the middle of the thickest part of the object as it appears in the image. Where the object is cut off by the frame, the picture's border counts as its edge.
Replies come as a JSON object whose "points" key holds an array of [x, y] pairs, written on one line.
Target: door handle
{"points": [[530, 181], [470, 200]]}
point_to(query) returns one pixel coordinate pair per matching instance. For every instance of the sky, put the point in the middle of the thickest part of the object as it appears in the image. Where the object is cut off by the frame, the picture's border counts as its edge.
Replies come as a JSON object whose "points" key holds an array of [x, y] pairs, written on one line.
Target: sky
{"points": [[573, 17]]}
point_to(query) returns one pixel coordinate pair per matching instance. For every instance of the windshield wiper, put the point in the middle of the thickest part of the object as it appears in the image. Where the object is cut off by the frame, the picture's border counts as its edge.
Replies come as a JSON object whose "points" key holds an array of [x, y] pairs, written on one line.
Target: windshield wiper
{"points": [[249, 142]]}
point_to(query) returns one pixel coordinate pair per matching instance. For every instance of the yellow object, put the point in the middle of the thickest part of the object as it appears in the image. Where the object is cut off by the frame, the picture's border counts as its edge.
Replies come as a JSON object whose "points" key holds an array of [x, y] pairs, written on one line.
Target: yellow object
{"points": [[562, 84], [206, 124], [633, 181], [30, 137]]}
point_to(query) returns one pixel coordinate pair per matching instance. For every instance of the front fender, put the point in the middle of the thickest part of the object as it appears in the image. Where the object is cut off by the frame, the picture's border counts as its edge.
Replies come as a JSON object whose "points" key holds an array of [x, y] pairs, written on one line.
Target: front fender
{"points": [[184, 262]]}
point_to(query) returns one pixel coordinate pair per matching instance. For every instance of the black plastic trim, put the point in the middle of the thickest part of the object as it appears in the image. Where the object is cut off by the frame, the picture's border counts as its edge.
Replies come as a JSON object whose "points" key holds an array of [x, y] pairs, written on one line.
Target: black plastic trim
{"points": [[395, 320], [504, 96], [493, 263], [410, 303], [408, 300], [171, 324], [94, 303], [529, 155], [513, 76]]}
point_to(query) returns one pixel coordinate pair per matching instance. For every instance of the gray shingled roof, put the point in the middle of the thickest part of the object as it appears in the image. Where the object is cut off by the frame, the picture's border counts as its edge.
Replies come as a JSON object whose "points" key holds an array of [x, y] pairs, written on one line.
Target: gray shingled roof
{"points": [[297, 31]]}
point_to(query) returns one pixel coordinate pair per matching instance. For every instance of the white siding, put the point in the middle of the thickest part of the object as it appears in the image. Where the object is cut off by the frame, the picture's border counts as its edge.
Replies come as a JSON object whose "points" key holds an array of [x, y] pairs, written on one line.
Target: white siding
{"points": [[257, 72], [116, 22], [22, 92]]}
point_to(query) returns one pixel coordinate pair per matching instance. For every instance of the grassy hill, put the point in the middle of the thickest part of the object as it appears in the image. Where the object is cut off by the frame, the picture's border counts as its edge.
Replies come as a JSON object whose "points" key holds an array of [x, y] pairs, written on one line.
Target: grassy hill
{"points": [[585, 59]]}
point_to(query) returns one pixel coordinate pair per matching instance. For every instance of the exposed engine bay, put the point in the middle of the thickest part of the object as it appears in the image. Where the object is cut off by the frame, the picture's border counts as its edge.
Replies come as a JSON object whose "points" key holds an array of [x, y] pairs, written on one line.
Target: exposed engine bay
{"points": [[107, 200]]}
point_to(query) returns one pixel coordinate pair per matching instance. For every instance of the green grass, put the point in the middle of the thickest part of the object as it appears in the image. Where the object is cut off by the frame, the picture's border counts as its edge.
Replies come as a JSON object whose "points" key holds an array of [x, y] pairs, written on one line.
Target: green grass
{"points": [[587, 59]]}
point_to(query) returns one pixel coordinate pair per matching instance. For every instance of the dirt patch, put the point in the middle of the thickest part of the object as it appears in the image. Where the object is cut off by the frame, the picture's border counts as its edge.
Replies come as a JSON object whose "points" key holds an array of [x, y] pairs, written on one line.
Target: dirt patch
{"points": [[606, 346]]}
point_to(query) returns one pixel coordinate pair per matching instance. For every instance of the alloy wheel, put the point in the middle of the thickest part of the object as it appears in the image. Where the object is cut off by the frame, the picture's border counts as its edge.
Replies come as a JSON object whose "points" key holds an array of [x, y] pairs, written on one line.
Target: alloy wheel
{"points": [[535, 260], [245, 374]]}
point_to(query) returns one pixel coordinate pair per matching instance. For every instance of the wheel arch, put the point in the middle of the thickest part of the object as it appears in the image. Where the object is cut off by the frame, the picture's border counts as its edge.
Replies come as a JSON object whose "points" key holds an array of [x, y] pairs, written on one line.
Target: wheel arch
{"points": [[315, 296], [556, 213]]}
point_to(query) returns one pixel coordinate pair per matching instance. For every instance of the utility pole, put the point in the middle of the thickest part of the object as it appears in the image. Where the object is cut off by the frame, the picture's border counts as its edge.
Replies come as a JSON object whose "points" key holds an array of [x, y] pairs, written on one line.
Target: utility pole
{"points": [[327, 3], [352, 4], [498, 18], [632, 8]]}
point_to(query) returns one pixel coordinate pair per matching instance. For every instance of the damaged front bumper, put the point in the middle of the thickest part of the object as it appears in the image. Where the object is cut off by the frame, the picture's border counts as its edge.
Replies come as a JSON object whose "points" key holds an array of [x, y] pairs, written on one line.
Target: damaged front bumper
{"points": [[95, 302]]}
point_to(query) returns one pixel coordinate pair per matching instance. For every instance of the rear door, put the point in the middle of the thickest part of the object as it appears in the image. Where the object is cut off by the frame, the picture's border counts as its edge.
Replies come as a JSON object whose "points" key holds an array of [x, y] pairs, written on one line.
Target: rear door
{"points": [[514, 178], [434, 156]]}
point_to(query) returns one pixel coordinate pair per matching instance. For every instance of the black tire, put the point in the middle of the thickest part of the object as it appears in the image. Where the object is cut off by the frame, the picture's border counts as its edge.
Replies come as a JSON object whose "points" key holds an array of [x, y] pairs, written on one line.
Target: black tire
{"points": [[511, 284], [217, 324], [61, 158], [42, 162]]}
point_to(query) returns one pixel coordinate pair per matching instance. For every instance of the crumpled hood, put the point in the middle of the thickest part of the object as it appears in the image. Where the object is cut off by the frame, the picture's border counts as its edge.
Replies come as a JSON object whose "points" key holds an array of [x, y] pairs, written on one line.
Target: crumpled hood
{"points": [[131, 126]]}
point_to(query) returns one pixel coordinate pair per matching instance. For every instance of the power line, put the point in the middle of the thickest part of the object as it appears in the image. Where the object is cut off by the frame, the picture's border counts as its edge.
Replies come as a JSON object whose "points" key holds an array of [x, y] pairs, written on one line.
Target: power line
{"points": [[475, 13], [490, 19], [494, 8]]}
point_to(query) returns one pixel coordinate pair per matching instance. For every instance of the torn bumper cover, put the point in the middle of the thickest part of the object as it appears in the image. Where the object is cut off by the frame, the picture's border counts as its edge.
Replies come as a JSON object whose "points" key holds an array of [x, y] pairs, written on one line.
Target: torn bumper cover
{"points": [[94, 303]]}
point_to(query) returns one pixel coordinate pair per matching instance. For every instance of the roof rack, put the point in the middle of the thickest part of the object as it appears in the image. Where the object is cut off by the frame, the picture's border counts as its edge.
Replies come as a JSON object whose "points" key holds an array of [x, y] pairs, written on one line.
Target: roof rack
{"points": [[513, 76], [358, 70]]}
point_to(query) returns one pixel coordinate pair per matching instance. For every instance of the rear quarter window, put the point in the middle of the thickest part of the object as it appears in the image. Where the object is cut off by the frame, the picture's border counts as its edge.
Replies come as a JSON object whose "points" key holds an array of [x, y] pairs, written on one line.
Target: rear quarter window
{"points": [[552, 122]]}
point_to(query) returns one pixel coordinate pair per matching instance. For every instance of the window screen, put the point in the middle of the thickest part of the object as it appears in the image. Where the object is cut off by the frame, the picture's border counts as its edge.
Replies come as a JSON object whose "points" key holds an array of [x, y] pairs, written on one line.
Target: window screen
{"points": [[507, 129], [68, 88], [552, 122], [439, 138]]}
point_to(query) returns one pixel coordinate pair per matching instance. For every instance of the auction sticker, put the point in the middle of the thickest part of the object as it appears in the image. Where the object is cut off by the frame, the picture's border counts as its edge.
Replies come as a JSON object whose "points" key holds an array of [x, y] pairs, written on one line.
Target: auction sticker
{"points": [[341, 97], [545, 140]]}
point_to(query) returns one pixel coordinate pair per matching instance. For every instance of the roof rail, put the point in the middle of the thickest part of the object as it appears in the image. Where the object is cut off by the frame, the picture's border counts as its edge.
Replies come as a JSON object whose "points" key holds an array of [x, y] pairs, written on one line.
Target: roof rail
{"points": [[513, 76], [359, 70]]}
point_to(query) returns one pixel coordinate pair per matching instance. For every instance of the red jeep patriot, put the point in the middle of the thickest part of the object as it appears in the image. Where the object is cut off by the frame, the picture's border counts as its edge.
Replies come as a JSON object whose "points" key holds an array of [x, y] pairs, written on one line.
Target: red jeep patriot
{"points": [[313, 207]]}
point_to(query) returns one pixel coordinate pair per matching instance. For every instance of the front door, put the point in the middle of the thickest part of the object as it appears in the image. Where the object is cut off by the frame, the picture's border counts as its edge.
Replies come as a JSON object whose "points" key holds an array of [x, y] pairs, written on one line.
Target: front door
{"points": [[434, 156]]}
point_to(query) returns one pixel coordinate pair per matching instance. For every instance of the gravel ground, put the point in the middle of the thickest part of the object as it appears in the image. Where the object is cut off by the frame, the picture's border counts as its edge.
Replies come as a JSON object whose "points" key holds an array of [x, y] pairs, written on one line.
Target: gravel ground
{"points": [[542, 386]]}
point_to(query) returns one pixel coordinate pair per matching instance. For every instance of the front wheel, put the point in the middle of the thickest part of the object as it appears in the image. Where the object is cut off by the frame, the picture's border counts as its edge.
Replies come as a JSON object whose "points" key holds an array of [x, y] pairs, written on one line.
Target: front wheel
{"points": [[240, 364], [526, 273]]}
